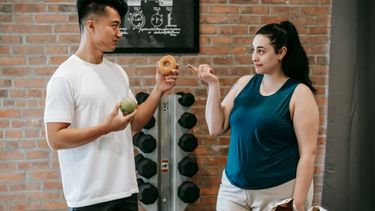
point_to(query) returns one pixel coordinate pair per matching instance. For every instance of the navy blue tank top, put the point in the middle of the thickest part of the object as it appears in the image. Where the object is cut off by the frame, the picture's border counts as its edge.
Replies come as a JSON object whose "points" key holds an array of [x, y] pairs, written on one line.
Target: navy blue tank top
{"points": [[263, 149]]}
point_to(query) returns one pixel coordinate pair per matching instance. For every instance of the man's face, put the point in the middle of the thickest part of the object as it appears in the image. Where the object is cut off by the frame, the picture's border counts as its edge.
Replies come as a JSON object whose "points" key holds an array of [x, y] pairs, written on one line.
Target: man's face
{"points": [[106, 32]]}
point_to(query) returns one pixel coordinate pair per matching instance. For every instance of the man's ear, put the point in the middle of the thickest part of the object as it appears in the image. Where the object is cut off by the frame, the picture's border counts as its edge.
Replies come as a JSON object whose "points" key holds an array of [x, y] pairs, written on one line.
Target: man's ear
{"points": [[282, 53], [90, 26]]}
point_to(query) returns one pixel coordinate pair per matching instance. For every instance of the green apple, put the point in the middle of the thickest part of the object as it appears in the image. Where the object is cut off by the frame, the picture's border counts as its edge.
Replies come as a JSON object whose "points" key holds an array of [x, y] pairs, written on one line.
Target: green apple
{"points": [[128, 105]]}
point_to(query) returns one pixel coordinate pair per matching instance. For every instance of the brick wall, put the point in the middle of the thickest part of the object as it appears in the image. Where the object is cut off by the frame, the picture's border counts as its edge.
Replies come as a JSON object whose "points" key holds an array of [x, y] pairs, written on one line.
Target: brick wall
{"points": [[37, 35]]}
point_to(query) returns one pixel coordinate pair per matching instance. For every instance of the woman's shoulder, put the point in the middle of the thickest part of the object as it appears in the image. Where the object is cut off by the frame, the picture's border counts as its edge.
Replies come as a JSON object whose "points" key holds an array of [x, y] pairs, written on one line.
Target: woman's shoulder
{"points": [[302, 93], [302, 89], [243, 81]]}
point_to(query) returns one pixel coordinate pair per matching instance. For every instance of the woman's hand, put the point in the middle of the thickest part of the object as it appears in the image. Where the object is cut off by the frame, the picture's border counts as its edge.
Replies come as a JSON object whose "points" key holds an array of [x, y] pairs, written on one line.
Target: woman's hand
{"points": [[298, 206], [204, 73]]}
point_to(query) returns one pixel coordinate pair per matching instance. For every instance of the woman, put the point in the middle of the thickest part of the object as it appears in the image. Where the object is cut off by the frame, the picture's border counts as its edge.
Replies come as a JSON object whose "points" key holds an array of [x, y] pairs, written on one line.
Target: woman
{"points": [[274, 121]]}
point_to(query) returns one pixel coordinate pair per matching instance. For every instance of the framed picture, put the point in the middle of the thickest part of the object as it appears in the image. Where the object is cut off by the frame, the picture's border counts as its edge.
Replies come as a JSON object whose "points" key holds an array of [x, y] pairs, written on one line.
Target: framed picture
{"points": [[160, 26]]}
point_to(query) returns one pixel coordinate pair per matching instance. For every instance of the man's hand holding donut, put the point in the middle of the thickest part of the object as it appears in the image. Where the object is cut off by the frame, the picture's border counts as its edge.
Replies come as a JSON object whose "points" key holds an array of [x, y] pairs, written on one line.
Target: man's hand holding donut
{"points": [[166, 74]]}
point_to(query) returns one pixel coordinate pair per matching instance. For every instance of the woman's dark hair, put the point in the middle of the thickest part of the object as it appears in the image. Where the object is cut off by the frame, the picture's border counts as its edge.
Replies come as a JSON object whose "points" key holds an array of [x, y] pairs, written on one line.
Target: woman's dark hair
{"points": [[295, 64], [87, 7]]}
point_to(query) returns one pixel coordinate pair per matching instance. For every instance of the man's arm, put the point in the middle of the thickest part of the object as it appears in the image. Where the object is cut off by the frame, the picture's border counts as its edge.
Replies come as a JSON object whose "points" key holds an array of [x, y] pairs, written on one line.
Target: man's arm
{"points": [[61, 136], [147, 109]]}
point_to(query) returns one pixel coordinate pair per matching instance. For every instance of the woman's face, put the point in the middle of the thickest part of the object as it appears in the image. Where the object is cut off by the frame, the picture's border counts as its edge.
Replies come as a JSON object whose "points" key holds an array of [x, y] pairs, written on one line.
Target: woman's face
{"points": [[264, 57]]}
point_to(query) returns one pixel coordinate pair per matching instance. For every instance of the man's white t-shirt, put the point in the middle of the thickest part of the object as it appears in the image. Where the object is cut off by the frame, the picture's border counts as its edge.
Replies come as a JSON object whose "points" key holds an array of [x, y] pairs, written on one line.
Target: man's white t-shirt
{"points": [[84, 94]]}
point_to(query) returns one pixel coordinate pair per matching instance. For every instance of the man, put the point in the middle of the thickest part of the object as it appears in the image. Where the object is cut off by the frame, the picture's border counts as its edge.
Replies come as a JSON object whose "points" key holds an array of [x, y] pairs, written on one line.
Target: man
{"points": [[82, 117]]}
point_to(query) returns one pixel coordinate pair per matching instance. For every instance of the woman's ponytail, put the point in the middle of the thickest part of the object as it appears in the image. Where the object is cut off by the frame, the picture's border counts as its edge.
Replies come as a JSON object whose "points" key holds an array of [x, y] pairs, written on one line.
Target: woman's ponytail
{"points": [[295, 64]]}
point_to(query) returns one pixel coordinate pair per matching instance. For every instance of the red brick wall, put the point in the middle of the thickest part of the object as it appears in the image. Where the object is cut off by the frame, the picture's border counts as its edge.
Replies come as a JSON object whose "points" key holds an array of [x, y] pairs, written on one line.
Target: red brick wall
{"points": [[36, 36]]}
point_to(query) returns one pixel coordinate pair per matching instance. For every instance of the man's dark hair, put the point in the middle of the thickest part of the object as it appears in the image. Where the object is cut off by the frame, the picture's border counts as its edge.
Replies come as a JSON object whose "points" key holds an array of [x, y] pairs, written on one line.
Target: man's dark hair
{"points": [[87, 7]]}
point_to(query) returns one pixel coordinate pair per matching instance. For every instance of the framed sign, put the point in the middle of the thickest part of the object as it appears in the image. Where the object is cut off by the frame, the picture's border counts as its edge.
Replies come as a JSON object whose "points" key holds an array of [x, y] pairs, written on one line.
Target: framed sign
{"points": [[160, 26]]}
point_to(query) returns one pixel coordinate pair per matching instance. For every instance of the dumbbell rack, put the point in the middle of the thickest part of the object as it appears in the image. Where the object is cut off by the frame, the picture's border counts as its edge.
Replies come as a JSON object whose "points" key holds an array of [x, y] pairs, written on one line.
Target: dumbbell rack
{"points": [[167, 156]]}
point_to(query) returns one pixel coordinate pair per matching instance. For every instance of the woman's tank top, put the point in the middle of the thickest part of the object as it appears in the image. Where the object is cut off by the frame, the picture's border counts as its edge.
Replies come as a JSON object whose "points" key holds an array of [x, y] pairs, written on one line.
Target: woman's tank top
{"points": [[263, 149]]}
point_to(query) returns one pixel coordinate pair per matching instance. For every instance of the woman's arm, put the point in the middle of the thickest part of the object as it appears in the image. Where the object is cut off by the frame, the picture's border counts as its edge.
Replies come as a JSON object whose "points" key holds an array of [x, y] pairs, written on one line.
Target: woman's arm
{"points": [[217, 112], [305, 117]]}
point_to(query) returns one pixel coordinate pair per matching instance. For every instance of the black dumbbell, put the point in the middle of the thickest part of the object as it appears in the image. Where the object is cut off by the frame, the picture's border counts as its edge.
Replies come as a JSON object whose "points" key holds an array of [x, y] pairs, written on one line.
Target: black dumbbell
{"points": [[148, 193], [186, 99], [145, 167], [188, 166], [145, 142], [150, 124], [188, 192], [141, 97], [187, 120], [188, 142]]}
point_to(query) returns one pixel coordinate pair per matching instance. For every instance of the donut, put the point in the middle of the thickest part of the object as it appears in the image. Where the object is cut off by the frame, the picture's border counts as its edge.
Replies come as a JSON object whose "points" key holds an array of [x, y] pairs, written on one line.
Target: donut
{"points": [[167, 64]]}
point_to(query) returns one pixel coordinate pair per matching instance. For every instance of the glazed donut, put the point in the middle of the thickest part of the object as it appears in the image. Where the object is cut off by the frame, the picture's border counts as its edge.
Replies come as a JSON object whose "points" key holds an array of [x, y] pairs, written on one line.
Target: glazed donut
{"points": [[167, 64]]}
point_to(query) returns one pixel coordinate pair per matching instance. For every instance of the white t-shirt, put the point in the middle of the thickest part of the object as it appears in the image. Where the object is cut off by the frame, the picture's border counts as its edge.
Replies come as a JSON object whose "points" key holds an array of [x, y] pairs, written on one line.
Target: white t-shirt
{"points": [[84, 94]]}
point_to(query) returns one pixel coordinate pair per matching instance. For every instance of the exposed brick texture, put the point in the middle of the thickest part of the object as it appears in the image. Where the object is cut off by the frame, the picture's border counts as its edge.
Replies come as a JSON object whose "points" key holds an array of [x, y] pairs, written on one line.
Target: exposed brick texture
{"points": [[37, 35]]}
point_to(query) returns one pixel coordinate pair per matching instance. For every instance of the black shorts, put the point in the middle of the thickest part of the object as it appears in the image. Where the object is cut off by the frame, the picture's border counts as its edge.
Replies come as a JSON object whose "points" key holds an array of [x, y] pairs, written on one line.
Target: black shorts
{"points": [[125, 204]]}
